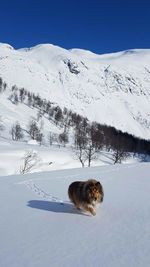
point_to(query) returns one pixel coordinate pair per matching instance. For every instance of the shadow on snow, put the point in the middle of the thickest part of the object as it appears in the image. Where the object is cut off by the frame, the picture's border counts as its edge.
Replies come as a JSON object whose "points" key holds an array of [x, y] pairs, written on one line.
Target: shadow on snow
{"points": [[54, 207]]}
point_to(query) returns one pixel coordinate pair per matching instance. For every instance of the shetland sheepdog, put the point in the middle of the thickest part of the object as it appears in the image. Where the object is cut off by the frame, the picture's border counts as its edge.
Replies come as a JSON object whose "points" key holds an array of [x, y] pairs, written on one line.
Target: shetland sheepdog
{"points": [[86, 194]]}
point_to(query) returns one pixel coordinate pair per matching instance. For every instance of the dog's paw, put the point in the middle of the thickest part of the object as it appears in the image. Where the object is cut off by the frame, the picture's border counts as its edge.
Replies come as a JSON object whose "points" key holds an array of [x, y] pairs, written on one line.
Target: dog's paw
{"points": [[93, 212]]}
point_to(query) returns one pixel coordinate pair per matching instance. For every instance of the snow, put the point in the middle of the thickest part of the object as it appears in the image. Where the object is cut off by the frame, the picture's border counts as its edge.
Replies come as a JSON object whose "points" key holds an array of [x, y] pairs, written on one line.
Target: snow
{"points": [[38, 224], [112, 89], [40, 227], [50, 158]]}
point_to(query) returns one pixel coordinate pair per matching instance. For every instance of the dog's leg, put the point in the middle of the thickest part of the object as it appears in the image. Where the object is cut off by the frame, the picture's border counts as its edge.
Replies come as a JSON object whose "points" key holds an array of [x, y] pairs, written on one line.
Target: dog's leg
{"points": [[77, 206], [90, 209]]}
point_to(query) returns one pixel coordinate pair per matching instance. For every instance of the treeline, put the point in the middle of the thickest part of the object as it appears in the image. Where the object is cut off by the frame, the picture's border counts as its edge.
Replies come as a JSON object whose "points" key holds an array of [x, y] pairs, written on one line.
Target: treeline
{"points": [[61, 117], [89, 138]]}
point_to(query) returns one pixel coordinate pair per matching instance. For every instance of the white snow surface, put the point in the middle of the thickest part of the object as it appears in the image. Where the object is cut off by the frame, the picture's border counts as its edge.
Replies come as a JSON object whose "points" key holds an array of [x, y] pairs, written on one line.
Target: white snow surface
{"points": [[50, 158], [40, 227], [112, 89]]}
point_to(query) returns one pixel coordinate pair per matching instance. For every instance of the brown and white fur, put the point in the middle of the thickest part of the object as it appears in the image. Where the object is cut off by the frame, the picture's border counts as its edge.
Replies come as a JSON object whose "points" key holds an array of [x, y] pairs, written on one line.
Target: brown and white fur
{"points": [[86, 194]]}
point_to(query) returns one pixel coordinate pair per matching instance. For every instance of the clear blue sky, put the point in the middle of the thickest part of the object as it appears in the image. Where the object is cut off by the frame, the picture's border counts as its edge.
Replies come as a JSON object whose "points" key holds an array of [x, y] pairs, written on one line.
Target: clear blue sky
{"points": [[99, 26]]}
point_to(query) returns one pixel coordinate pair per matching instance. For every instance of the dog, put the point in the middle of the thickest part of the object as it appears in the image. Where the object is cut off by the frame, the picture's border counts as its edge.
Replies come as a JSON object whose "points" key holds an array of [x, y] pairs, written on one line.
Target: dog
{"points": [[86, 194]]}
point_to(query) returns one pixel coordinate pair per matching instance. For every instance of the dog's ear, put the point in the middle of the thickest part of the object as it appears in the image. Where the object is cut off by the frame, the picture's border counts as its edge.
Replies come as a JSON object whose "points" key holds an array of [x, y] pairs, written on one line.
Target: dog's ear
{"points": [[98, 184]]}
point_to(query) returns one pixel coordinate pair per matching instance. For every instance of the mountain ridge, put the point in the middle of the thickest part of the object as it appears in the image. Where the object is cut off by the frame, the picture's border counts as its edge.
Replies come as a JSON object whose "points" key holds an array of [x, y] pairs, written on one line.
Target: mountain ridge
{"points": [[112, 89]]}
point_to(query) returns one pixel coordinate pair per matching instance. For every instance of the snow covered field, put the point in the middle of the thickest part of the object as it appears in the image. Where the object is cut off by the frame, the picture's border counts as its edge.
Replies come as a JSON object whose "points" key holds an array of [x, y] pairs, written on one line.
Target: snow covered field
{"points": [[40, 227], [50, 157]]}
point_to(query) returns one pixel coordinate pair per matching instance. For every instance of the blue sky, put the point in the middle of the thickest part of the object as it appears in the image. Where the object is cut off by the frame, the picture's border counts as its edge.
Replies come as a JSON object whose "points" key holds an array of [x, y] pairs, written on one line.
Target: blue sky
{"points": [[99, 26]]}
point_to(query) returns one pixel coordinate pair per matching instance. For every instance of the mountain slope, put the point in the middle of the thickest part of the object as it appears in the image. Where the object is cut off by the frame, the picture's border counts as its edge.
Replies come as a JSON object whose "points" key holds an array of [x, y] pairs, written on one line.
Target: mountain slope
{"points": [[39, 227], [112, 89]]}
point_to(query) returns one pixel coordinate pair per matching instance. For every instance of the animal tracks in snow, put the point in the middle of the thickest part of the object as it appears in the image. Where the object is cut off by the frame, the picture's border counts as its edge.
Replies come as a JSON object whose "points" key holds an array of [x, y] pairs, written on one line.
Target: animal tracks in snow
{"points": [[31, 185], [40, 192]]}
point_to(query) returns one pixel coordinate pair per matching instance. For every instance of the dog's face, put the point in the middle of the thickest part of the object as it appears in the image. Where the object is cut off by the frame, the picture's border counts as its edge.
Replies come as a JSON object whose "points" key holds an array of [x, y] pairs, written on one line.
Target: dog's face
{"points": [[94, 192]]}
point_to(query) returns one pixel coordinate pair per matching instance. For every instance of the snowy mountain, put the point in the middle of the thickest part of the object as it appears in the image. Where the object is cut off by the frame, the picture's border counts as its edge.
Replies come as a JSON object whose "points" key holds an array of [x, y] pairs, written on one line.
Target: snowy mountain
{"points": [[112, 89], [40, 227]]}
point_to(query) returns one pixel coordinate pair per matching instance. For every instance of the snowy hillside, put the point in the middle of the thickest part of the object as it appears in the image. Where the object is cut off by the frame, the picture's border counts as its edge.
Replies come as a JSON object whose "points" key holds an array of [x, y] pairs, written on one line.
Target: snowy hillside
{"points": [[40, 227], [51, 158], [112, 89]]}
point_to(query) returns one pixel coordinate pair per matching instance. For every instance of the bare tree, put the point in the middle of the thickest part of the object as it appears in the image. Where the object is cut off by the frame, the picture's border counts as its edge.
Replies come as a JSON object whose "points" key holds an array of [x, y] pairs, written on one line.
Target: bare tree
{"points": [[63, 138], [3, 85], [58, 115], [14, 96], [39, 114], [33, 130], [22, 94], [30, 160], [52, 138], [16, 132], [86, 147], [119, 155], [91, 153], [30, 99], [80, 154], [39, 138], [80, 141]]}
